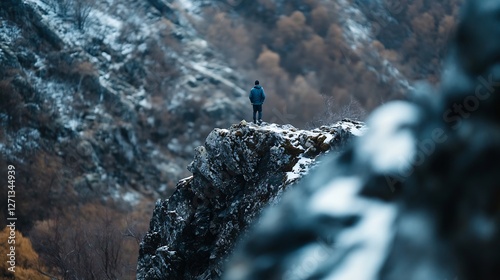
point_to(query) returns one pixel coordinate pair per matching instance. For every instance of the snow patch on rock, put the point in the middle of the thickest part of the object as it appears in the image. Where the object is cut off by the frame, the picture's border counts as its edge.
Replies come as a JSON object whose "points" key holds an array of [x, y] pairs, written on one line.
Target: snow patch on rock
{"points": [[8, 33], [237, 173]]}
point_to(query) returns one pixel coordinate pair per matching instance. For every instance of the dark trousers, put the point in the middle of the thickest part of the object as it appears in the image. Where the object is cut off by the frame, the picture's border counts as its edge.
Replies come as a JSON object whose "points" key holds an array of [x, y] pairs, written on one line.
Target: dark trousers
{"points": [[257, 108]]}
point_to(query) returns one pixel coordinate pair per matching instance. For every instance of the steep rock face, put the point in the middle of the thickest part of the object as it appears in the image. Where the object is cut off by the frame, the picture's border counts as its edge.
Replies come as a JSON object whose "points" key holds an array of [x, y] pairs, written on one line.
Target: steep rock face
{"points": [[235, 174]]}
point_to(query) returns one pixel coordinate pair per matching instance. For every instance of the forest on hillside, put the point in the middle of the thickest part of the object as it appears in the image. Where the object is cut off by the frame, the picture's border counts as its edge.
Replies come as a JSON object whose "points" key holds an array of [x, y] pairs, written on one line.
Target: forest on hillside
{"points": [[319, 61], [300, 49]]}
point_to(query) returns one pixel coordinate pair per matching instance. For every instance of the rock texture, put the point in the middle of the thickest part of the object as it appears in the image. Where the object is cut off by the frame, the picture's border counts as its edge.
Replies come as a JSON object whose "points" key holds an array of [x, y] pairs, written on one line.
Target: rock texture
{"points": [[114, 103], [417, 197], [236, 174]]}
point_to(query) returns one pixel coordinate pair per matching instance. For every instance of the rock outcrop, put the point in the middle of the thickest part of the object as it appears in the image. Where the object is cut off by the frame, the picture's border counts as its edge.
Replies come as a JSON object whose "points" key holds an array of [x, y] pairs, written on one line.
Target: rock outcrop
{"points": [[416, 197], [236, 174]]}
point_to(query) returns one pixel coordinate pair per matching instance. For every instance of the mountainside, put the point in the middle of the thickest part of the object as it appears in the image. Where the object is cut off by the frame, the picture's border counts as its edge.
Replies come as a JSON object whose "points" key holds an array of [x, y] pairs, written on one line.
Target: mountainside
{"points": [[110, 111], [136, 86], [416, 197], [102, 103], [237, 173]]}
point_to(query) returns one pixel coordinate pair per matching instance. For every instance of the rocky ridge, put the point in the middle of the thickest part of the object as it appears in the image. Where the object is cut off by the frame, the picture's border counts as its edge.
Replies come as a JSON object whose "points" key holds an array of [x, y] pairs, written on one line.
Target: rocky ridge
{"points": [[236, 174]]}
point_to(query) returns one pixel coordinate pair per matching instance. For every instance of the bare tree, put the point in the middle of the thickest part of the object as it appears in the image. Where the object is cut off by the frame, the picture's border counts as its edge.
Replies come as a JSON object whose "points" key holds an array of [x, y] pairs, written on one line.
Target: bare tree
{"points": [[83, 244], [107, 241], [63, 7], [333, 113], [81, 12]]}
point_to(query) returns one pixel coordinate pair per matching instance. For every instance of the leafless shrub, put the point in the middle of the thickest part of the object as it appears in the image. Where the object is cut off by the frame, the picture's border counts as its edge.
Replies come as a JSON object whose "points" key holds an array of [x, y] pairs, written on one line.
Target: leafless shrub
{"points": [[83, 69], [130, 29], [88, 242], [81, 12], [63, 7], [70, 68], [11, 102], [91, 241], [78, 10], [159, 73], [333, 112]]}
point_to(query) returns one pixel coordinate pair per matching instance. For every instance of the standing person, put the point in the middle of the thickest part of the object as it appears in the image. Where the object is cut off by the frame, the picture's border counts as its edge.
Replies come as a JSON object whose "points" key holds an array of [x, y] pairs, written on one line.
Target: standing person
{"points": [[257, 97]]}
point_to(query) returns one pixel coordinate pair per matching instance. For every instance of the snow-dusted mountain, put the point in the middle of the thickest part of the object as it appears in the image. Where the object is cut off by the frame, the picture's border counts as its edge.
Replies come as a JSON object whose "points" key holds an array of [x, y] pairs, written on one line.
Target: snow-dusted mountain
{"points": [[136, 88], [105, 102], [128, 89], [148, 78]]}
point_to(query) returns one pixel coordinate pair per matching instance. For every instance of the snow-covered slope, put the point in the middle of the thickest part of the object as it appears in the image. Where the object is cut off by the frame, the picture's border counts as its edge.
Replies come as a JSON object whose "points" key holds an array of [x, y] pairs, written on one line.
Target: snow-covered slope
{"points": [[145, 68], [137, 86]]}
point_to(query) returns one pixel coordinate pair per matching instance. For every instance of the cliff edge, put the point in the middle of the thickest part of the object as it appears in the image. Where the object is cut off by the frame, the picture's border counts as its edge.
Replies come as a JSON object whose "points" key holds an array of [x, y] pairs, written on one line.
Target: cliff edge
{"points": [[236, 174]]}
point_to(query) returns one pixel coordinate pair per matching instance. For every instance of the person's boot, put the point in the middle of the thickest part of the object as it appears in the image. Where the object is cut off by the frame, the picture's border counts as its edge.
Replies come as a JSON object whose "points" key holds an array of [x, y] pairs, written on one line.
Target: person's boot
{"points": [[260, 121], [254, 121]]}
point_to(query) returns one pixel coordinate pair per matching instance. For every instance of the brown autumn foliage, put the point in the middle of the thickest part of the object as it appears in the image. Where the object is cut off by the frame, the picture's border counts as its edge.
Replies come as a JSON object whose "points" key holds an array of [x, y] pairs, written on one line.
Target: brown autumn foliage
{"points": [[27, 262], [223, 30], [320, 20], [269, 63], [91, 241], [69, 240], [83, 68], [432, 23], [40, 186], [38, 179], [304, 37], [290, 30], [75, 69]]}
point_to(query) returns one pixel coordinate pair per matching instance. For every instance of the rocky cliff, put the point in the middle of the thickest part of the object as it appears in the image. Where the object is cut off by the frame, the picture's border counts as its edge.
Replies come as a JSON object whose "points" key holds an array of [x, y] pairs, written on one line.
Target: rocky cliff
{"points": [[416, 197], [236, 174], [117, 94]]}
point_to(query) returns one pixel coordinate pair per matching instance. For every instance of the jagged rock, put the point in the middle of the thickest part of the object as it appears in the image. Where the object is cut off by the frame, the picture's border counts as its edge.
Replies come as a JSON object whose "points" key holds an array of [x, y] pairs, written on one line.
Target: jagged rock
{"points": [[236, 174], [84, 148], [417, 197]]}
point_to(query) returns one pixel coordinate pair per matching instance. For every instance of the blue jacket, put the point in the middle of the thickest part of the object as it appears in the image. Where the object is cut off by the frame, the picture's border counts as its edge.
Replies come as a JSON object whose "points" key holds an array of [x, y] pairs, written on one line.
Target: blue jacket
{"points": [[257, 95]]}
